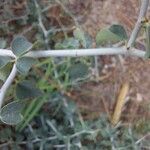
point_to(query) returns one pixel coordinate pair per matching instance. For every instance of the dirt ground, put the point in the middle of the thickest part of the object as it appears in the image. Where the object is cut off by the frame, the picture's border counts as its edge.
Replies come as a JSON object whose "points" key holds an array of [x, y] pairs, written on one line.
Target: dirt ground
{"points": [[95, 98]]}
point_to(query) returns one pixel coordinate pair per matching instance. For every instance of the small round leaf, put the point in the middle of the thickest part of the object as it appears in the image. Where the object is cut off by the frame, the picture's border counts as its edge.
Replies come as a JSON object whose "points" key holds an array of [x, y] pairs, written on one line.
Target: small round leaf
{"points": [[20, 46], [11, 113], [119, 31], [78, 71], [27, 89], [24, 64]]}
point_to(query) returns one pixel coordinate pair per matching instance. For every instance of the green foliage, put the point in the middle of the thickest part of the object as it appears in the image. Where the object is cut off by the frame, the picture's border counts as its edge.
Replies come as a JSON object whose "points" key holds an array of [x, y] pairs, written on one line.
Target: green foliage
{"points": [[20, 46], [78, 71], [111, 35], [55, 130], [27, 90], [24, 64], [11, 113], [5, 71], [4, 61], [119, 31]]}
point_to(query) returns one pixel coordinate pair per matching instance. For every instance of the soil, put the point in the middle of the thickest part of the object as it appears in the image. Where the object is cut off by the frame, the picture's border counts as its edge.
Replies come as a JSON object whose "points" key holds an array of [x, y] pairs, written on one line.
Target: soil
{"points": [[96, 98]]}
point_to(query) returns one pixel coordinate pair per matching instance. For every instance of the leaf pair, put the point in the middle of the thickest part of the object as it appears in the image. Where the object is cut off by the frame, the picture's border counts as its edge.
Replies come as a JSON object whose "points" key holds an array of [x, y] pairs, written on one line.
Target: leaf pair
{"points": [[20, 46]]}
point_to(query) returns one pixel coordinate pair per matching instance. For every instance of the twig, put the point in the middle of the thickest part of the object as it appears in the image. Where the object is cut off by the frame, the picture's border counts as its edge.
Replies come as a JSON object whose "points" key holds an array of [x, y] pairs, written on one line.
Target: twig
{"points": [[7, 84], [26, 142], [141, 139], [143, 10], [52, 127]]}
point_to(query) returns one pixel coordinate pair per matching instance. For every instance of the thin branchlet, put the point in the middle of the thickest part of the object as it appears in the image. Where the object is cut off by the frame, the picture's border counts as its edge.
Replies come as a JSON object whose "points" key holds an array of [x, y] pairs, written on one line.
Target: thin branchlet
{"points": [[138, 25]]}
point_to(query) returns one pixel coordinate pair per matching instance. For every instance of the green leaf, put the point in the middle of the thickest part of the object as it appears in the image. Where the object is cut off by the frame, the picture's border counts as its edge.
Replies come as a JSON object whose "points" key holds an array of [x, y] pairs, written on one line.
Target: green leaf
{"points": [[78, 71], [119, 31], [111, 35], [26, 90], [24, 64], [105, 37], [5, 71], [2, 43], [20, 46], [4, 61], [11, 113], [79, 34]]}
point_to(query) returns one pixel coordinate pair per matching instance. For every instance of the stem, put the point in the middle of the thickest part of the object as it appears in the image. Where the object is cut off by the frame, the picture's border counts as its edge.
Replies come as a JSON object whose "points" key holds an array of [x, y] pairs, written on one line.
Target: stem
{"points": [[78, 52], [85, 52], [26, 142], [7, 84], [138, 25], [141, 139]]}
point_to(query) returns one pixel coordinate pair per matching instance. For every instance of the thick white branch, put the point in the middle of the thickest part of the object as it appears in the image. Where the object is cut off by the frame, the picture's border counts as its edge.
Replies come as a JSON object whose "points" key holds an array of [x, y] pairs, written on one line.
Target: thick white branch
{"points": [[5, 52], [85, 52], [7, 83], [78, 52], [137, 27]]}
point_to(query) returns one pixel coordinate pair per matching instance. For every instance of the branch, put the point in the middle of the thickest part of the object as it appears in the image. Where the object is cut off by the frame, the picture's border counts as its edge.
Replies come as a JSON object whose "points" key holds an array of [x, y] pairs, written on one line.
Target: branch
{"points": [[5, 52], [134, 34], [85, 52], [7, 83], [78, 52]]}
